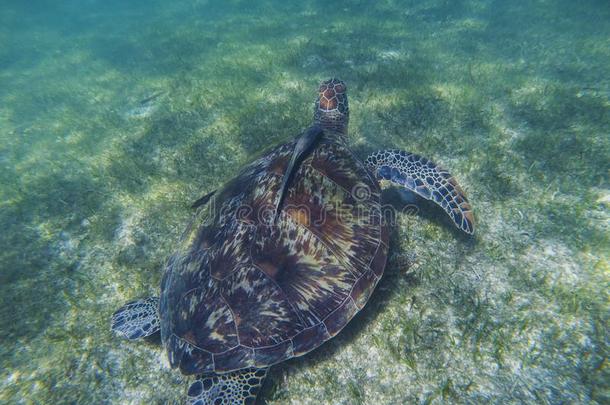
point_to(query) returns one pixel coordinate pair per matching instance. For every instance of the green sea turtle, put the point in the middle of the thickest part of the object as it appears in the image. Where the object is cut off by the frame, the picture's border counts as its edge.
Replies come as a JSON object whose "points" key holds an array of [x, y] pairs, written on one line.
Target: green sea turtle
{"points": [[279, 260]]}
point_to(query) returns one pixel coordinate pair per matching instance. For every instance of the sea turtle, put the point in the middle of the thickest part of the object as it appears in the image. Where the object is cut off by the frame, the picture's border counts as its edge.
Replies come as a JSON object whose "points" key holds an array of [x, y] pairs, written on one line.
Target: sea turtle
{"points": [[279, 260]]}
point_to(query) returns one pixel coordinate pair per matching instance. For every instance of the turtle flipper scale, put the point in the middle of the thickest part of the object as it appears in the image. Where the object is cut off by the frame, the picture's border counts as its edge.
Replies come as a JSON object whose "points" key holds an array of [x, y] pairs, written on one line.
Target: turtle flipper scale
{"points": [[425, 178], [137, 319], [235, 388]]}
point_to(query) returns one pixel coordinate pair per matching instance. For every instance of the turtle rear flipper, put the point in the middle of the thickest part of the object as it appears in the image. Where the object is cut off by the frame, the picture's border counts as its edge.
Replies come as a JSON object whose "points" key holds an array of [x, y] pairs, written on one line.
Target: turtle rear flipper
{"points": [[426, 179], [235, 388], [137, 319]]}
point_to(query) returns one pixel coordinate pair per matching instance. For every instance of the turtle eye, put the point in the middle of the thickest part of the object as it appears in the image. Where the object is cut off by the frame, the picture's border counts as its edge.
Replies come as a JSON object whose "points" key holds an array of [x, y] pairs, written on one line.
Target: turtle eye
{"points": [[340, 88]]}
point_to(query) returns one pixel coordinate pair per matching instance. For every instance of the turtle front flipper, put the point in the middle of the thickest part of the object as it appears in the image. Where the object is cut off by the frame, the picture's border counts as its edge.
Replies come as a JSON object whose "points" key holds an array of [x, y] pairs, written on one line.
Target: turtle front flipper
{"points": [[137, 319], [425, 178], [235, 388], [302, 147]]}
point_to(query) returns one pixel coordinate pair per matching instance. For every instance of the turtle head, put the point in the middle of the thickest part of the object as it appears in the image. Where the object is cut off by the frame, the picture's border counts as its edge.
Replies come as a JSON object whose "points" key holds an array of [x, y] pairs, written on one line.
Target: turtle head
{"points": [[331, 111]]}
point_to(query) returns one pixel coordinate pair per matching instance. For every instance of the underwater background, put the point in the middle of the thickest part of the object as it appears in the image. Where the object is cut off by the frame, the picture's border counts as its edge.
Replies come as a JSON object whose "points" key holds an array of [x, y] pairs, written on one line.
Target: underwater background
{"points": [[116, 115]]}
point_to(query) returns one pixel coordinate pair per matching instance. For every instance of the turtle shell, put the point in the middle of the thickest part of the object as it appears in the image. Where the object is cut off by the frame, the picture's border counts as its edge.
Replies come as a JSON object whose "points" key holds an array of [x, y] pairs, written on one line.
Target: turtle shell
{"points": [[244, 291]]}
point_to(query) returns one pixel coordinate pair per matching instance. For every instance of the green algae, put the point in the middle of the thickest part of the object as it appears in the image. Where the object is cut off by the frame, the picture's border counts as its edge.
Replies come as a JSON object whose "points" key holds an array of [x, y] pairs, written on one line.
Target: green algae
{"points": [[512, 98]]}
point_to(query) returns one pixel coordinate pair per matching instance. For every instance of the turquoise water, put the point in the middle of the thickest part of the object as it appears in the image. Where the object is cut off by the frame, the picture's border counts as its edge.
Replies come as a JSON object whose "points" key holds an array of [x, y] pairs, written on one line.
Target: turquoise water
{"points": [[116, 115]]}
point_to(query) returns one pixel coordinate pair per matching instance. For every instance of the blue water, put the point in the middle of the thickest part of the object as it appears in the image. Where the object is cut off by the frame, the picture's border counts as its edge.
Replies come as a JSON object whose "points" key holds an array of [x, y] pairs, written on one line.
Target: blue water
{"points": [[116, 115]]}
